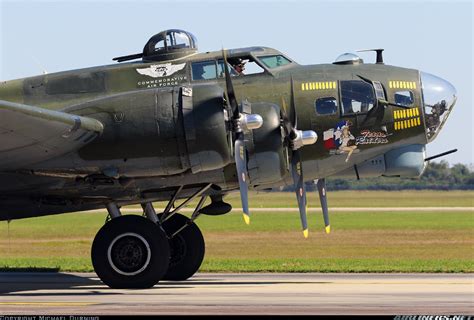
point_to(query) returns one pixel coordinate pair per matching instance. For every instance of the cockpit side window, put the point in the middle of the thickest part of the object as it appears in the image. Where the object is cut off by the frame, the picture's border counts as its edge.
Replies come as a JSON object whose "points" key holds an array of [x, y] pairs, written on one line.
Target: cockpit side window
{"points": [[245, 65], [356, 96], [212, 69], [204, 70], [274, 61], [221, 71], [208, 70]]}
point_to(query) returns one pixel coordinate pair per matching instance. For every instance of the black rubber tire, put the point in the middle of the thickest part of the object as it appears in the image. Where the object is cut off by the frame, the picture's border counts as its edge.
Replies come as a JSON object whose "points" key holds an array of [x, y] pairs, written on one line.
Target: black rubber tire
{"points": [[135, 244], [187, 248]]}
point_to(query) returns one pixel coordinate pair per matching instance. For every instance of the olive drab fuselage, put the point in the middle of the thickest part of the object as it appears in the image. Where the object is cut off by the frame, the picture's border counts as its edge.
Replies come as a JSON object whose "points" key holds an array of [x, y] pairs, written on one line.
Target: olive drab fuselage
{"points": [[166, 126]]}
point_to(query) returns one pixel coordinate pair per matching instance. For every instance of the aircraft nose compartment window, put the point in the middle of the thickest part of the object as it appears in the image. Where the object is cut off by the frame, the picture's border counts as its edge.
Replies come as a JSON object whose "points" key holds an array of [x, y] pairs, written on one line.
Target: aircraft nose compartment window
{"points": [[404, 98], [356, 96], [439, 97]]}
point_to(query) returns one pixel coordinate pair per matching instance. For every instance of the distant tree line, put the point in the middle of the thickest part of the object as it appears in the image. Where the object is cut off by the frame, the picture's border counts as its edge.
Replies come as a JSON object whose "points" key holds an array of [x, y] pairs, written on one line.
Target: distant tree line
{"points": [[437, 176]]}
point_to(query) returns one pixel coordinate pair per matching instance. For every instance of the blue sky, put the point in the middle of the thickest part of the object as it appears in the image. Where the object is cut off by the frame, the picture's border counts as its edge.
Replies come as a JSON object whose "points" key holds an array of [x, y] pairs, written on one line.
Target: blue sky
{"points": [[435, 37]]}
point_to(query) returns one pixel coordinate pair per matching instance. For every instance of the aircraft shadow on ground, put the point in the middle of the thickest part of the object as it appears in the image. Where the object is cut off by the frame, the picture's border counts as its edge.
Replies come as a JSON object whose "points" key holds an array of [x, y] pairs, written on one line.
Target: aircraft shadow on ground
{"points": [[16, 280], [24, 282], [27, 281]]}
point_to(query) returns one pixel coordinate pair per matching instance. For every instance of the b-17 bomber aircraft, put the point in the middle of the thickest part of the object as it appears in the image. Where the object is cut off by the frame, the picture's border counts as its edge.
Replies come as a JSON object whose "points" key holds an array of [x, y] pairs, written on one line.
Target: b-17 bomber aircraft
{"points": [[173, 124]]}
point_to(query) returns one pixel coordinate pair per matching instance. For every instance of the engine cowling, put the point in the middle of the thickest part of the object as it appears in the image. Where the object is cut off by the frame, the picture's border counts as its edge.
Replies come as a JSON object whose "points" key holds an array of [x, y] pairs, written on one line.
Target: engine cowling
{"points": [[205, 129], [267, 161]]}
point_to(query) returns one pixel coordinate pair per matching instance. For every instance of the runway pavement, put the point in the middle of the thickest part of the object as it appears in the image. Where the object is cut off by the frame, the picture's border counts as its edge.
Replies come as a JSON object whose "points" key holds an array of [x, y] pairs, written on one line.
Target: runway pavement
{"points": [[269, 293]]}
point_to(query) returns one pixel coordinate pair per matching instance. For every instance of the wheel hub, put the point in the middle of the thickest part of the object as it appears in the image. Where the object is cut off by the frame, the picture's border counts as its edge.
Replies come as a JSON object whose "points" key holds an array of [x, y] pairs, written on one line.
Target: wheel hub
{"points": [[129, 254]]}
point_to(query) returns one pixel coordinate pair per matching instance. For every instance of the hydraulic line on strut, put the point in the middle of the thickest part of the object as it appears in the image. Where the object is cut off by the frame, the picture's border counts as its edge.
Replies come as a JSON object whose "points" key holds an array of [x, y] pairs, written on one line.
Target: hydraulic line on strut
{"points": [[168, 213], [194, 216], [150, 212]]}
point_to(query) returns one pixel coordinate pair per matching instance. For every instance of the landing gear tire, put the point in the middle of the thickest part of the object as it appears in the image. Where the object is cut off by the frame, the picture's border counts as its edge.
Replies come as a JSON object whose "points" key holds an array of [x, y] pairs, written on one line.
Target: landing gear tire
{"points": [[130, 252], [187, 248]]}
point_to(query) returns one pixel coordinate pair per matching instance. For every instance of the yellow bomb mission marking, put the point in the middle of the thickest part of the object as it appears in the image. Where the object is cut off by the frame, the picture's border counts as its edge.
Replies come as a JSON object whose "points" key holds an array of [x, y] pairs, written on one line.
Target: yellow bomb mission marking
{"points": [[326, 85], [407, 118], [406, 113], [402, 84], [406, 124]]}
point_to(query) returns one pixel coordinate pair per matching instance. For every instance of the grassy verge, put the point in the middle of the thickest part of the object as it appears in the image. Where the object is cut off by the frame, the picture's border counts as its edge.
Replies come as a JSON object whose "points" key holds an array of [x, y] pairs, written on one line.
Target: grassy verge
{"points": [[336, 265], [55, 264], [360, 198]]}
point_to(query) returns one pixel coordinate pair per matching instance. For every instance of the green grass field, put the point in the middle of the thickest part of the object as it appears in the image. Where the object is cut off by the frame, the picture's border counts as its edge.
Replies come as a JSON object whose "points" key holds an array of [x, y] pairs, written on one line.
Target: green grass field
{"points": [[384, 241]]}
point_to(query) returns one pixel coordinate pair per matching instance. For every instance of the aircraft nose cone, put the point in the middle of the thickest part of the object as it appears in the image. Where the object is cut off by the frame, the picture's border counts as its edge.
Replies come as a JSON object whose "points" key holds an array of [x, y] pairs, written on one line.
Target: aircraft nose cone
{"points": [[439, 97]]}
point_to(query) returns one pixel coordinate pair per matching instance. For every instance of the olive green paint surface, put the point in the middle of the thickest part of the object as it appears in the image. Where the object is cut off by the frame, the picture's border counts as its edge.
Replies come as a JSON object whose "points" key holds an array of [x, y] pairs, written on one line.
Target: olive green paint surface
{"points": [[154, 138]]}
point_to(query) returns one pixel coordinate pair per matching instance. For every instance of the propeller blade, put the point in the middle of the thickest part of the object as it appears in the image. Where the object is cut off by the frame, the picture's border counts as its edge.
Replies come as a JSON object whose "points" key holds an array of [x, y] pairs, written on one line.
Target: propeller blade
{"points": [[230, 88], [284, 116], [297, 172], [293, 115], [241, 164], [321, 184]]}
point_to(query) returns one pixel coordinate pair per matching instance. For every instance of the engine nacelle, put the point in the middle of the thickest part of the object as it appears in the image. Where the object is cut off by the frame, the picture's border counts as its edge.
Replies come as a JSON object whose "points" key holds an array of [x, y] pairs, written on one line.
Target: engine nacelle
{"points": [[205, 128], [267, 162], [407, 162], [160, 131]]}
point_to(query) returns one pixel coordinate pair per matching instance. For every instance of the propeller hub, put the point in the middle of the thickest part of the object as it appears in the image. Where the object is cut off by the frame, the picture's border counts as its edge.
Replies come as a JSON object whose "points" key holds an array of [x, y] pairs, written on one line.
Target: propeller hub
{"points": [[248, 122], [304, 138]]}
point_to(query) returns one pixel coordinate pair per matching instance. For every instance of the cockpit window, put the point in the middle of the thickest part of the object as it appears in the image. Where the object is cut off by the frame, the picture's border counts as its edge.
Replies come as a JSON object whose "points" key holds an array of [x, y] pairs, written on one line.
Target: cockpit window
{"points": [[221, 70], [212, 69], [357, 96], [204, 70], [208, 70], [251, 67], [274, 61], [245, 65]]}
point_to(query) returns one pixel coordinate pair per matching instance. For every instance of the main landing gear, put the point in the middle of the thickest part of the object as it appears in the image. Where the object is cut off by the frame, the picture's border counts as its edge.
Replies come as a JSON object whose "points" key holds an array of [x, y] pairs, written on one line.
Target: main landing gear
{"points": [[136, 252]]}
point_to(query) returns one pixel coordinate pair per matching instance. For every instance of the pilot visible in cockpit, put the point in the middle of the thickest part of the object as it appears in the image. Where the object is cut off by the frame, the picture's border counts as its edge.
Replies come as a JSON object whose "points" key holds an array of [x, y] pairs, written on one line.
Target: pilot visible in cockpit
{"points": [[239, 67]]}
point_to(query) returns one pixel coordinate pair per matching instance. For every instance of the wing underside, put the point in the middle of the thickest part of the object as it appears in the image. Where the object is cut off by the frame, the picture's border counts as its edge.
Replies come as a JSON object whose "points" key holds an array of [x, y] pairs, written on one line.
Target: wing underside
{"points": [[29, 135]]}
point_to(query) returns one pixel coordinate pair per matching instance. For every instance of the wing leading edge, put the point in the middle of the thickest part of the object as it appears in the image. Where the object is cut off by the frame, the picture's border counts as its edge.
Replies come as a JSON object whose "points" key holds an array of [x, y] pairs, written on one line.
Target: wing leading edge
{"points": [[29, 134]]}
